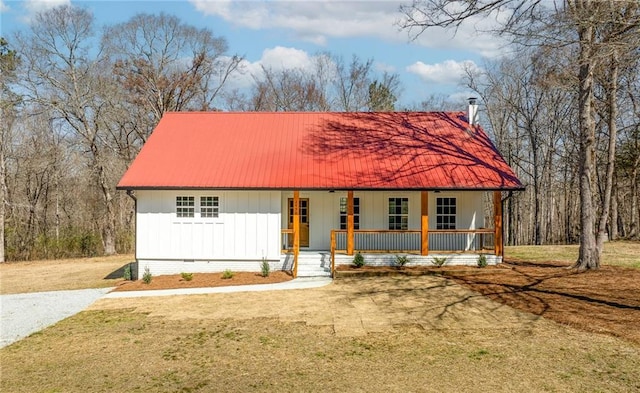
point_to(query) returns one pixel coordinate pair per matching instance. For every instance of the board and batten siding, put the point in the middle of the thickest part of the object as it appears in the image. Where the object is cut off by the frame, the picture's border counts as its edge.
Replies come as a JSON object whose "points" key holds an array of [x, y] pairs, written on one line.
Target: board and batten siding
{"points": [[248, 226], [246, 230]]}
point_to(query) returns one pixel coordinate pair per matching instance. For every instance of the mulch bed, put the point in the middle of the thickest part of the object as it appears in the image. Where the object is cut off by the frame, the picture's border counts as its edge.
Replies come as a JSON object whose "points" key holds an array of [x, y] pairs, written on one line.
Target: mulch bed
{"points": [[344, 271], [200, 280]]}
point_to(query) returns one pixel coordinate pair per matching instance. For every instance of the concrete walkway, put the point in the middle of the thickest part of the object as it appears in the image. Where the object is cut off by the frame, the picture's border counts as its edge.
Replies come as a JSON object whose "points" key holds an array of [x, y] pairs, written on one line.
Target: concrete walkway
{"points": [[297, 283], [26, 313]]}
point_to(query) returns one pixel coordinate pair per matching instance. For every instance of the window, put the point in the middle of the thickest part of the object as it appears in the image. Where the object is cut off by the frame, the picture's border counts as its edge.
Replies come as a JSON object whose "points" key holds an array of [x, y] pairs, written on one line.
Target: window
{"points": [[399, 214], [185, 206], [343, 213], [445, 213], [209, 206]]}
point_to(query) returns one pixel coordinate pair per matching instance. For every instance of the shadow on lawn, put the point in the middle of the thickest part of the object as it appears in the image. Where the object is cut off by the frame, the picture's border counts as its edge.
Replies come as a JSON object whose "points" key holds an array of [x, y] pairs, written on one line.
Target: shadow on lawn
{"points": [[605, 300]]}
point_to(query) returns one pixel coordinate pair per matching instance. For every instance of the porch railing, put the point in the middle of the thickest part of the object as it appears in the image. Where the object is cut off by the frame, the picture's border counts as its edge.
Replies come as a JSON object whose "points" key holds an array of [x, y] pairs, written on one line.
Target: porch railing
{"points": [[286, 240], [440, 241]]}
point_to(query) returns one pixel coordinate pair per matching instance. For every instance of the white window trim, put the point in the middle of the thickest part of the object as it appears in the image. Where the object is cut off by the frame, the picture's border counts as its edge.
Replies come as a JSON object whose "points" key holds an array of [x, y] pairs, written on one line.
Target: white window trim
{"points": [[217, 207], [192, 207], [398, 215], [197, 209], [455, 215]]}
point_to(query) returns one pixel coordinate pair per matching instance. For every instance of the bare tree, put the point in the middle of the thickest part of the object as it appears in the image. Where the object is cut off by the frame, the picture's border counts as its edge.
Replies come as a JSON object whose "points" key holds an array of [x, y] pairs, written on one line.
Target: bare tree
{"points": [[61, 77], [8, 101], [352, 83], [167, 65], [288, 90], [575, 23]]}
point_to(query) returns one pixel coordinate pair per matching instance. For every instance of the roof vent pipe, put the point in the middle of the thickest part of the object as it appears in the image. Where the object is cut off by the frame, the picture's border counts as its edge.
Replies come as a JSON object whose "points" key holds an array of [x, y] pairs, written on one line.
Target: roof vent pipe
{"points": [[473, 111]]}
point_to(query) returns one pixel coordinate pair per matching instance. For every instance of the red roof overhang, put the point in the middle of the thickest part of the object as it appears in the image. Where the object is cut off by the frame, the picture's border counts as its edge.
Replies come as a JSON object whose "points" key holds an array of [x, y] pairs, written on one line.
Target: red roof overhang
{"points": [[319, 150]]}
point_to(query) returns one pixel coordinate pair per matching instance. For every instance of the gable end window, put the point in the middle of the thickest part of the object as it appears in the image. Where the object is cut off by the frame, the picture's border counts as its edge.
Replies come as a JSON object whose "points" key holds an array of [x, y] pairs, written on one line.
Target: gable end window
{"points": [[185, 206], [445, 213], [399, 214], [209, 206], [343, 213]]}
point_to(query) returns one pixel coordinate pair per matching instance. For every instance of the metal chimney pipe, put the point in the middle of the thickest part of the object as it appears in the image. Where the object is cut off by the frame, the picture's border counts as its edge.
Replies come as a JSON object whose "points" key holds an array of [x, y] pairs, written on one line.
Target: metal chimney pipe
{"points": [[473, 111]]}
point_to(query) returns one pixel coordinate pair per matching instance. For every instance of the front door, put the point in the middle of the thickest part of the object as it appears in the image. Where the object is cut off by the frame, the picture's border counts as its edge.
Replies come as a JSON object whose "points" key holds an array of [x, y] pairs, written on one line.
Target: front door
{"points": [[304, 220]]}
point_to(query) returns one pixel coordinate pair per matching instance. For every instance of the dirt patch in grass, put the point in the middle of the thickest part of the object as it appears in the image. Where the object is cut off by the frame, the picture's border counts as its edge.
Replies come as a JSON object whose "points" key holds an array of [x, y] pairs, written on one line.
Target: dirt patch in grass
{"points": [[200, 280], [604, 301]]}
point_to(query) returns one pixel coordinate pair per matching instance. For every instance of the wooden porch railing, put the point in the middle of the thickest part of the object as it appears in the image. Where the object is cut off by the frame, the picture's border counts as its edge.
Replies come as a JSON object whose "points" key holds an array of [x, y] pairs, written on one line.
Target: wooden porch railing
{"points": [[286, 240], [410, 242]]}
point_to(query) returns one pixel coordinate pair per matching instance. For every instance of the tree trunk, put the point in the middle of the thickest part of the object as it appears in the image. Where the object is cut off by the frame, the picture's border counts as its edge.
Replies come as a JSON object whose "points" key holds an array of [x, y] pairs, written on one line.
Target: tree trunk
{"points": [[613, 225], [635, 213], [611, 159], [588, 257], [109, 224], [3, 199]]}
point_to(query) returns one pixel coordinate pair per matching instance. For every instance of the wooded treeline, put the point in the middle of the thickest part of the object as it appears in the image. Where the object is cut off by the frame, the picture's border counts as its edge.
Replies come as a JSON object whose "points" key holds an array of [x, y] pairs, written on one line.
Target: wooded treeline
{"points": [[78, 104]]}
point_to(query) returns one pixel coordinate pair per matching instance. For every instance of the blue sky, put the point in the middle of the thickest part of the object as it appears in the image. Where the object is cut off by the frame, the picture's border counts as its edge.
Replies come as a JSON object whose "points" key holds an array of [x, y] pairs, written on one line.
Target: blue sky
{"points": [[289, 33]]}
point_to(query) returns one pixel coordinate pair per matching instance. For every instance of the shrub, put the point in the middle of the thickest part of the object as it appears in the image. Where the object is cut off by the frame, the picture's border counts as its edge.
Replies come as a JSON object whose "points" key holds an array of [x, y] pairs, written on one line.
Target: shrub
{"points": [[358, 260], [265, 268], [186, 276], [482, 260], [127, 272], [146, 277], [439, 261], [227, 274], [401, 260]]}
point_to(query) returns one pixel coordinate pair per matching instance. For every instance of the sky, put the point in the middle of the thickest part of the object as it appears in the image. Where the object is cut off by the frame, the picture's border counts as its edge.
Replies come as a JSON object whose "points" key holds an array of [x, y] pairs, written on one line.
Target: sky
{"points": [[281, 34]]}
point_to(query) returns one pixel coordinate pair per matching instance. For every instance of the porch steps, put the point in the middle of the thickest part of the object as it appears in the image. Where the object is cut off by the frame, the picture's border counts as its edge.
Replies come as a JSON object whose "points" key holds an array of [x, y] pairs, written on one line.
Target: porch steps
{"points": [[314, 264]]}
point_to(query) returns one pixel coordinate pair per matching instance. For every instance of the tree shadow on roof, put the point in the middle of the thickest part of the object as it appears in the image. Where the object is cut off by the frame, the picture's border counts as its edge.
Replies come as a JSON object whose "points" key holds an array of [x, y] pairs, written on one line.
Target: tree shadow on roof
{"points": [[434, 147]]}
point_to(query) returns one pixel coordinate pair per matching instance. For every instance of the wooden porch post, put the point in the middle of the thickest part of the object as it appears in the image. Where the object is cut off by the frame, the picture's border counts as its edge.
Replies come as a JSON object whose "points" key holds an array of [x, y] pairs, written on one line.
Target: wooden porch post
{"points": [[497, 225], [296, 231], [424, 222], [350, 223]]}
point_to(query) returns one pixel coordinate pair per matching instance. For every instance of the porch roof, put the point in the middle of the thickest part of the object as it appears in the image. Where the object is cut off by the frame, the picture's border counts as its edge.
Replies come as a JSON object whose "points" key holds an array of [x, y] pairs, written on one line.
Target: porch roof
{"points": [[319, 150]]}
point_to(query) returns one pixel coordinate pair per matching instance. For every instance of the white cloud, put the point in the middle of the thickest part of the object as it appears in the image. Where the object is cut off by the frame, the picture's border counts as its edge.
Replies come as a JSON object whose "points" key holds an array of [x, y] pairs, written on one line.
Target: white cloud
{"points": [[448, 72], [277, 59], [283, 58], [318, 21], [3, 7], [34, 6], [311, 21]]}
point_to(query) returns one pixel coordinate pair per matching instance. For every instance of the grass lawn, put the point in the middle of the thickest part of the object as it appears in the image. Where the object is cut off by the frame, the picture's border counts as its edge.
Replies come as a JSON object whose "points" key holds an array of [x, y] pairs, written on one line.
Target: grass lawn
{"points": [[618, 253], [61, 274], [528, 325], [383, 334]]}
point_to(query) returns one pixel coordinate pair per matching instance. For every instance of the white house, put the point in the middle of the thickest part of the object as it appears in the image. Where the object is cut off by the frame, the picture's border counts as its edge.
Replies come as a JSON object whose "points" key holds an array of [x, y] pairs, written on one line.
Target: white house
{"points": [[305, 191]]}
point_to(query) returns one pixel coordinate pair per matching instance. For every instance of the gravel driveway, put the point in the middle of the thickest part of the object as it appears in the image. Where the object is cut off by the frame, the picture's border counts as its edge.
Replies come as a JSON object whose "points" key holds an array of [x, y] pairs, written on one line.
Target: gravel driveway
{"points": [[25, 313]]}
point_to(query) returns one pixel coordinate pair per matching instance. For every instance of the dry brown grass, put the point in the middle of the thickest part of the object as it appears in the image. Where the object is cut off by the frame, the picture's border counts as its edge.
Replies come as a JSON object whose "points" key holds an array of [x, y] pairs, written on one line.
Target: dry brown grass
{"points": [[61, 274], [618, 253], [382, 334], [387, 334]]}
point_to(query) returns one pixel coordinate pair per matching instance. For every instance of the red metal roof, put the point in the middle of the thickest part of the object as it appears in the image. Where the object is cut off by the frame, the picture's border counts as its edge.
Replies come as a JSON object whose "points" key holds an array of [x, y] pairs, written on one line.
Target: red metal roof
{"points": [[318, 150]]}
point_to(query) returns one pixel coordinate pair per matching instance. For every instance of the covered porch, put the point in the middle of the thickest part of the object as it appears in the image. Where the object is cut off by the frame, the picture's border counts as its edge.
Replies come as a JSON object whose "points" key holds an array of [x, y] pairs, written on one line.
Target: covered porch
{"points": [[412, 232]]}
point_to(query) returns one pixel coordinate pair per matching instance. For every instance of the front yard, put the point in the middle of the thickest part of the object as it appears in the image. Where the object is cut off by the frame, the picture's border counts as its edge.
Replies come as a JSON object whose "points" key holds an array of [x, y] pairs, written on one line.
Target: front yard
{"points": [[494, 331]]}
